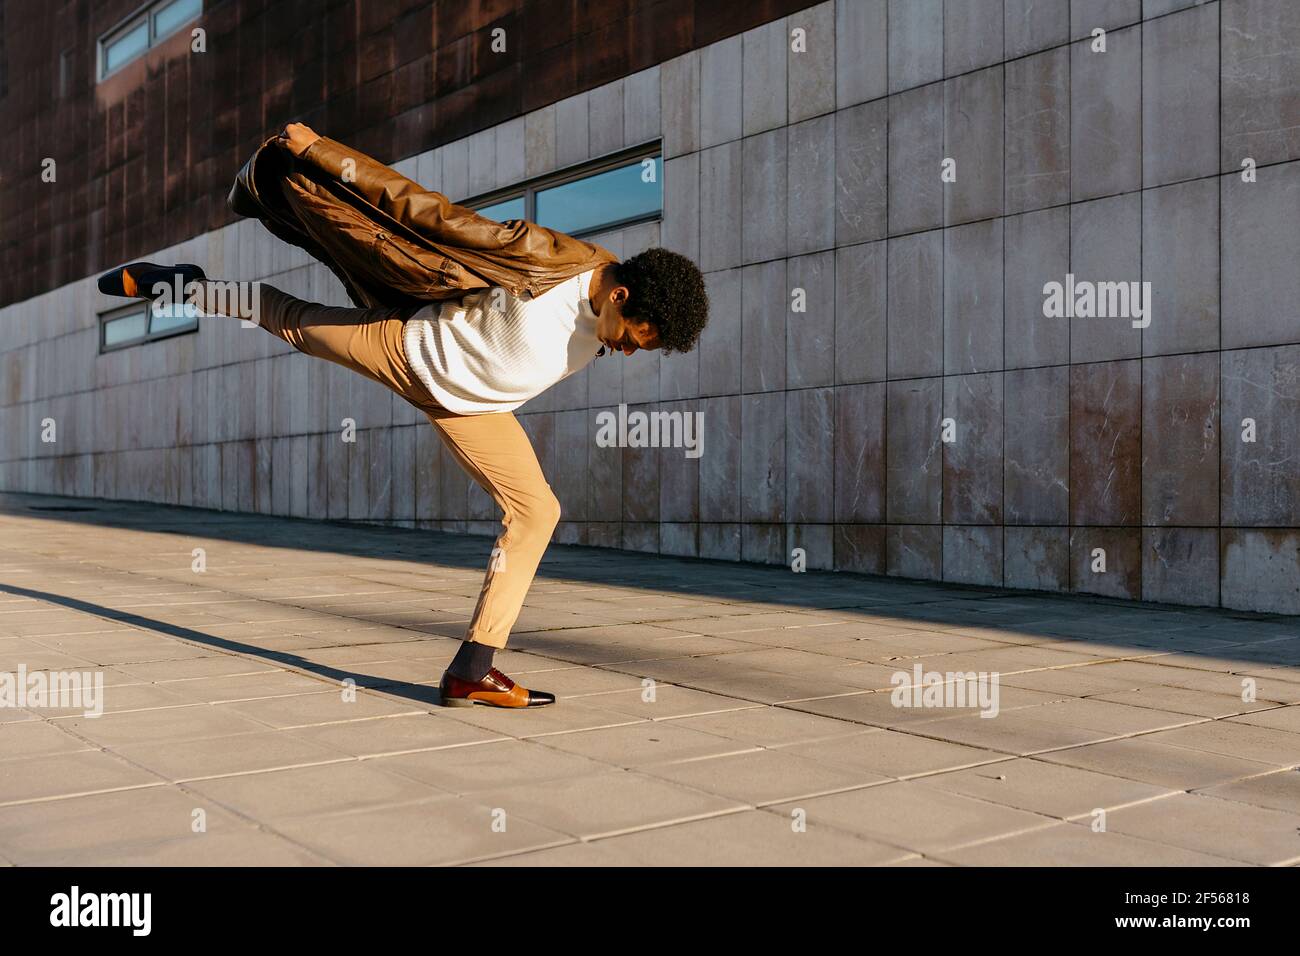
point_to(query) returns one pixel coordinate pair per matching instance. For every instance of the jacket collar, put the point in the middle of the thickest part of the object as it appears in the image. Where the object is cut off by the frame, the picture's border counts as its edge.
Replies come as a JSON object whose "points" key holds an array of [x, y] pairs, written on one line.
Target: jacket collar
{"points": [[584, 291]]}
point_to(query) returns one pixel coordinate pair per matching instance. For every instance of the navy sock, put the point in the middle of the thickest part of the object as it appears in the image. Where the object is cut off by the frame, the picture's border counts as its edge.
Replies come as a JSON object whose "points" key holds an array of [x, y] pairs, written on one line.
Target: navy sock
{"points": [[473, 661]]}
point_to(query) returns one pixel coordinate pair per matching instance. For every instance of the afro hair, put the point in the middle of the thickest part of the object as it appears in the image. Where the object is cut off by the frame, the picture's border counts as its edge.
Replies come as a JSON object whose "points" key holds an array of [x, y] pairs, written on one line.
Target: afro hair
{"points": [[667, 290]]}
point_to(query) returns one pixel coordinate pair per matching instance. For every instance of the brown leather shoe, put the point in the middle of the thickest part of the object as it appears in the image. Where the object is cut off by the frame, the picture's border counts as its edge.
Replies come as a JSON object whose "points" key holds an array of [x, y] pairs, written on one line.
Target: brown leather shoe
{"points": [[495, 690]]}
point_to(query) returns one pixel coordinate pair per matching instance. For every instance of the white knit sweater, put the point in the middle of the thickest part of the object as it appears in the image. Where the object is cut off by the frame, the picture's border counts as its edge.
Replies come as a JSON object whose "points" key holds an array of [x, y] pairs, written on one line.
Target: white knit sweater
{"points": [[490, 351]]}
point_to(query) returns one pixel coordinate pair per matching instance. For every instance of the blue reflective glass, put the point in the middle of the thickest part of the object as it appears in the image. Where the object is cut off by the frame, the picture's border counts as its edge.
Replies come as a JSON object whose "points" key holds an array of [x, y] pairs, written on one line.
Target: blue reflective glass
{"points": [[126, 47], [628, 192], [124, 328], [506, 209], [174, 15]]}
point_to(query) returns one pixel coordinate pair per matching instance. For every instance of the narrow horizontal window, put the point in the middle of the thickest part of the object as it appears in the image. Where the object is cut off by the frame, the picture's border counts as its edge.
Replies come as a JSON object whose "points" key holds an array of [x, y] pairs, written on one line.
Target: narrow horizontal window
{"points": [[605, 194], [170, 17], [146, 28], [145, 323], [604, 200], [122, 330], [125, 47], [172, 319], [504, 210]]}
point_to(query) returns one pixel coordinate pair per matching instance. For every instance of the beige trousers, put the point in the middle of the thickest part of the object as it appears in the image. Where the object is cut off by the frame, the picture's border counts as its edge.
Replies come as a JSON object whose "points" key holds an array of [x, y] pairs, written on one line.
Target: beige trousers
{"points": [[493, 448]]}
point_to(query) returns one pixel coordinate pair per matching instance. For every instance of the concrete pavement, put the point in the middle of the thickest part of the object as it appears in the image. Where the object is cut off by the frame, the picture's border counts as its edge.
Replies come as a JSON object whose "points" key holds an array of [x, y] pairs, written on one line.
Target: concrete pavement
{"points": [[269, 697]]}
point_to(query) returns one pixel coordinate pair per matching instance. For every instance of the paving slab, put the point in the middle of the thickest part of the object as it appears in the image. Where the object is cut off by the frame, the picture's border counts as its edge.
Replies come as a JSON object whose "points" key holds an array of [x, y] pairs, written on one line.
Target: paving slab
{"points": [[895, 754], [1011, 732], [663, 701], [101, 826], [760, 777], [764, 726], [247, 846], [1077, 845], [747, 838], [120, 698], [389, 735], [1264, 744], [60, 776], [214, 665], [1275, 791], [643, 743], [917, 818], [1211, 825], [1186, 700], [1144, 759], [613, 802], [37, 738], [1279, 718], [218, 756], [1099, 713], [161, 724], [1055, 790], [305, 710], [490, 765], [308, 791], [1083, 681], [440, 831]]}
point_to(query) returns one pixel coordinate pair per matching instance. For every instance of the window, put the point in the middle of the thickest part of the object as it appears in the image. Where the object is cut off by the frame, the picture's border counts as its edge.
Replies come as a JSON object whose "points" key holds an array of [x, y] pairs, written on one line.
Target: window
{"points": [[506, 209], [141, 322], [145, 28], [617, 191]]}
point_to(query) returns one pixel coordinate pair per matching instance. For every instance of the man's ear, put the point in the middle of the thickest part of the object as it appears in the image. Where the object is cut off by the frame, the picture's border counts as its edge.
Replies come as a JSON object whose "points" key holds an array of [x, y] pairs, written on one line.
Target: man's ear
{"points": [[619, 296]]}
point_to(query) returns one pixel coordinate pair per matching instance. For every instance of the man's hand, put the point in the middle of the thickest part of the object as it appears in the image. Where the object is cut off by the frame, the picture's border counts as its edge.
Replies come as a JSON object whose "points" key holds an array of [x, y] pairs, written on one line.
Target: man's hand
{"points": [[297, 137]]}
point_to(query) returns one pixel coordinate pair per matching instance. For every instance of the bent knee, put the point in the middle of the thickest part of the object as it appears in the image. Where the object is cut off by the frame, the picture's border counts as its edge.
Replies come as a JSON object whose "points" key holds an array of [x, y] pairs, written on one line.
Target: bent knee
{"points": [[550, 514], [539, 514]]}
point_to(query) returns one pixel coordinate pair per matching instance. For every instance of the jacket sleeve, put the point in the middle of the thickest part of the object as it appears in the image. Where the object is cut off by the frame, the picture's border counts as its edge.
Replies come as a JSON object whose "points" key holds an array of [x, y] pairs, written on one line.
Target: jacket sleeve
{"points": [[338, 203], [431, 213]]}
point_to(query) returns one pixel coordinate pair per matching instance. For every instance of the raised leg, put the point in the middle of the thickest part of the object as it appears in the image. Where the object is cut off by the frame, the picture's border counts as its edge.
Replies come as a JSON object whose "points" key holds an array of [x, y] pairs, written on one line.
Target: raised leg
{"points": [[368, 341]]}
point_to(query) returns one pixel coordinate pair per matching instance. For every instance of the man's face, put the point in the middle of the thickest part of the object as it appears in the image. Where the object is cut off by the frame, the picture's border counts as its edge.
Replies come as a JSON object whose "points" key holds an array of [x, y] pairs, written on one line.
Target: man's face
{"points": [[619, 333]]}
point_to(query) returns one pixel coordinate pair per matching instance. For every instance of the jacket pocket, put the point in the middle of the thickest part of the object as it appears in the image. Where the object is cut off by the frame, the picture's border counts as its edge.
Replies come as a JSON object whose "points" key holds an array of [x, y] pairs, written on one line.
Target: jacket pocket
{"points": [[416, 273]]}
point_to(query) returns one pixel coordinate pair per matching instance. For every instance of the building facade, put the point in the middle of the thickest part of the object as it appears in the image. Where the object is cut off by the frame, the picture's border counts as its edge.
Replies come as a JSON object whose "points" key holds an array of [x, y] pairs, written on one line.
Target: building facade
{"points": [[1004, 292]]}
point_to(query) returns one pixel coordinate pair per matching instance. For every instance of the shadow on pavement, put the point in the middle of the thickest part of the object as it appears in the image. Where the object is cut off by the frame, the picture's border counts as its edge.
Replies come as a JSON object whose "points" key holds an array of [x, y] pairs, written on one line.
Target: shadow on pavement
{"points": [[1258, 639]]}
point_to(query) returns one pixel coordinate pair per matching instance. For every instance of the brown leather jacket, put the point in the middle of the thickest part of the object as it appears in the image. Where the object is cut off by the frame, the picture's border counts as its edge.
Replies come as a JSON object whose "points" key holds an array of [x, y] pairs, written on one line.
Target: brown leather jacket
{"points": [[389, 240]]}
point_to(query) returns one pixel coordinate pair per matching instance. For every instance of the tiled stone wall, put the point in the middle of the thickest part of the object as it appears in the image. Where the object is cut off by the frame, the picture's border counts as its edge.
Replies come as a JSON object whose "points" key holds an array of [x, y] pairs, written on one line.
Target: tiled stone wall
{"points": [[815, 177]]}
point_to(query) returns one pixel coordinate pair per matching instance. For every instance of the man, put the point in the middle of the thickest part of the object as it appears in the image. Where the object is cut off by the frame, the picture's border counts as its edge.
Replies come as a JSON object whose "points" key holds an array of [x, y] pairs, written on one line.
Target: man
{"points": [[463, 317]]}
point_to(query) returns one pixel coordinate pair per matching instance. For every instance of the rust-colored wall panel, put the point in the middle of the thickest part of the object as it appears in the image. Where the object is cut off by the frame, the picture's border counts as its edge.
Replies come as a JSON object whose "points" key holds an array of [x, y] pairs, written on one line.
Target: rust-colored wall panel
{"points": [[146, 157]]}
